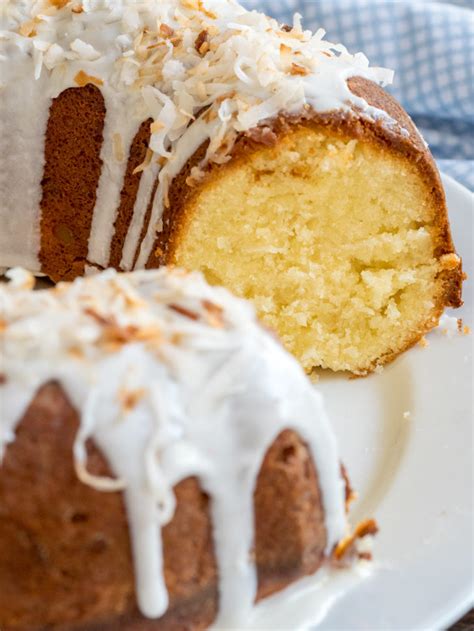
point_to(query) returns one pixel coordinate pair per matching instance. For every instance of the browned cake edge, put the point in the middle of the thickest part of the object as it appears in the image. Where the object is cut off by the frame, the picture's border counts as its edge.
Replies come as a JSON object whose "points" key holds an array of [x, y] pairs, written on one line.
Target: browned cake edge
{"points": [[65, 560], [70, 177]]}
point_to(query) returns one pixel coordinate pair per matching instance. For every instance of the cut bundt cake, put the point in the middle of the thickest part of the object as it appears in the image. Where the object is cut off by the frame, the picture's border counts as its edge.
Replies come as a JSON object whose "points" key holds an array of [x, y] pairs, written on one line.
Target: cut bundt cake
{"points": [[199, 134], [163, 461]]}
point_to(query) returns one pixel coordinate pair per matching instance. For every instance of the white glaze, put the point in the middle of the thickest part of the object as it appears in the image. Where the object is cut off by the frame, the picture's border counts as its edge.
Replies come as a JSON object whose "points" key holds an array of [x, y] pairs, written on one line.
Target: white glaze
{"points": [[251, 73], [21, 167], [119, 119], [213, 396], [131, 242]]}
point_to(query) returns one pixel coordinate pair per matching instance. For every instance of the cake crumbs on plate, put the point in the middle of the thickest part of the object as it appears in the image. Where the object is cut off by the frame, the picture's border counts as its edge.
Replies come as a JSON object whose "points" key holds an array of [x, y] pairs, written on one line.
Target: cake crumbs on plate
{"points": [[423, 342]]}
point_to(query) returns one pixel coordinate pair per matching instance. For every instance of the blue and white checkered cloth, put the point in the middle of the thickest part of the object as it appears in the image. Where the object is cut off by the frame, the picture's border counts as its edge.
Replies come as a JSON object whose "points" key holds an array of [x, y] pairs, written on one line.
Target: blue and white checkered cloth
{"points": [[430, 45]]}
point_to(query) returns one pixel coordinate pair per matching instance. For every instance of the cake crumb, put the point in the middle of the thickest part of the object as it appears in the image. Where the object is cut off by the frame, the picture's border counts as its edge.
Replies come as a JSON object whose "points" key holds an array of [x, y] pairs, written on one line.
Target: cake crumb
{"points": [[464, 329], [449, 325], [423, 342], [314, 377]]}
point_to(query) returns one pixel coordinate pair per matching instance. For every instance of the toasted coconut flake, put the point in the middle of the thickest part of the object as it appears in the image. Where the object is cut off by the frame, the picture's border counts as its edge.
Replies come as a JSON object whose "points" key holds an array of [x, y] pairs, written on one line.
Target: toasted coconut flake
{"points": [[82, 79], [206, 12], [192, 315], [350, 494], [166, 31], [346, 545], [76, 352], [176, 338], [214, 314], [58, 4], [3, 325], [296, 69], [77, 8], [114, 336], [176, 41], [285, 51], [98, 317], [146, 162], [129, 399], [204, 48], [210, 114], [190, 4], [28, 29]]}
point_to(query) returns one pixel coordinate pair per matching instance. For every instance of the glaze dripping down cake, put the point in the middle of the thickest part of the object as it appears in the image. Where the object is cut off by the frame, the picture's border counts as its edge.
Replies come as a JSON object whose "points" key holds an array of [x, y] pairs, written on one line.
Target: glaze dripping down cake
{"points": [[164, 462], [199, 134]]}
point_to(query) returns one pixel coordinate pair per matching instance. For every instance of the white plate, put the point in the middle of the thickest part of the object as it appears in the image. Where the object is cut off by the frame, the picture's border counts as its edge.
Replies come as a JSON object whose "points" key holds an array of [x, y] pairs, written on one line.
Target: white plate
{"points": [[414, 474]]}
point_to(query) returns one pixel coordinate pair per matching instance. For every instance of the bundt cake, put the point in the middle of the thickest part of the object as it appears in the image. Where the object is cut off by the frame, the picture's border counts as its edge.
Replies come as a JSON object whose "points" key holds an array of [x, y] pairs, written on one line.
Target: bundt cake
{"points": [[199, 134], [150, 403]]}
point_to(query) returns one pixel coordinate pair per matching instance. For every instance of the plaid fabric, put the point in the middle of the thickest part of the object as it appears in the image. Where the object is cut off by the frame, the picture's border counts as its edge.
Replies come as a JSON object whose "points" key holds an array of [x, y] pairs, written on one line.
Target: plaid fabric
{"points": [[430, 45]]}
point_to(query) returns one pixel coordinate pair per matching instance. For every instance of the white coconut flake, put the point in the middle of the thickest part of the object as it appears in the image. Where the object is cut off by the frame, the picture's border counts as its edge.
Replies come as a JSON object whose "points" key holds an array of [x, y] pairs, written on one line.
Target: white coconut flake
{"points": [[85, 51]]}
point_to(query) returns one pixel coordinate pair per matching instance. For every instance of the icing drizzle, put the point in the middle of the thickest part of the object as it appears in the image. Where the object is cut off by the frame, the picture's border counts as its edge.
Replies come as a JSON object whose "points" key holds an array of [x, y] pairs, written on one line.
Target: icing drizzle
{"points": [[200, 69], [171, 378]]}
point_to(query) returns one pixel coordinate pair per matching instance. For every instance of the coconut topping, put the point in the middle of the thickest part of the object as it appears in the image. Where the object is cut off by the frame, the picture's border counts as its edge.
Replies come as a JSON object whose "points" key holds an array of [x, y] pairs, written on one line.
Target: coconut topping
{"points": [[171, 378], [200, 69]]}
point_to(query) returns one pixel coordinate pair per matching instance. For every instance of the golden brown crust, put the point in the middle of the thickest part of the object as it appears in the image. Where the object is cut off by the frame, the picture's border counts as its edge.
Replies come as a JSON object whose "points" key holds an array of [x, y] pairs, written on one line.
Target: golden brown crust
{"points": [[65, 560], [70, 178]]}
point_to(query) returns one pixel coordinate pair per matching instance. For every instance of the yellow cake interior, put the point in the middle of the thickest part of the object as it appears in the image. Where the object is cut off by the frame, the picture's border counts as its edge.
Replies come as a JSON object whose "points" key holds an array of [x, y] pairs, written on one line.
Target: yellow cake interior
{"points": [[332, 239]]}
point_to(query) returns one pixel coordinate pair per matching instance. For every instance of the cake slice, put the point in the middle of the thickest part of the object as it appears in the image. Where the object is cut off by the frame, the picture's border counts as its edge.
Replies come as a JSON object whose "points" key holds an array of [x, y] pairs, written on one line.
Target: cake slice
{"points": [[199, 134], [336, 229]]}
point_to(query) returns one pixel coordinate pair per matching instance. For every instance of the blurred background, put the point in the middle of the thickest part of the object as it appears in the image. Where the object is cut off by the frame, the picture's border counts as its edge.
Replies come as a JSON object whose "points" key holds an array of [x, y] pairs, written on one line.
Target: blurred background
{"points": [[429, 44]]}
